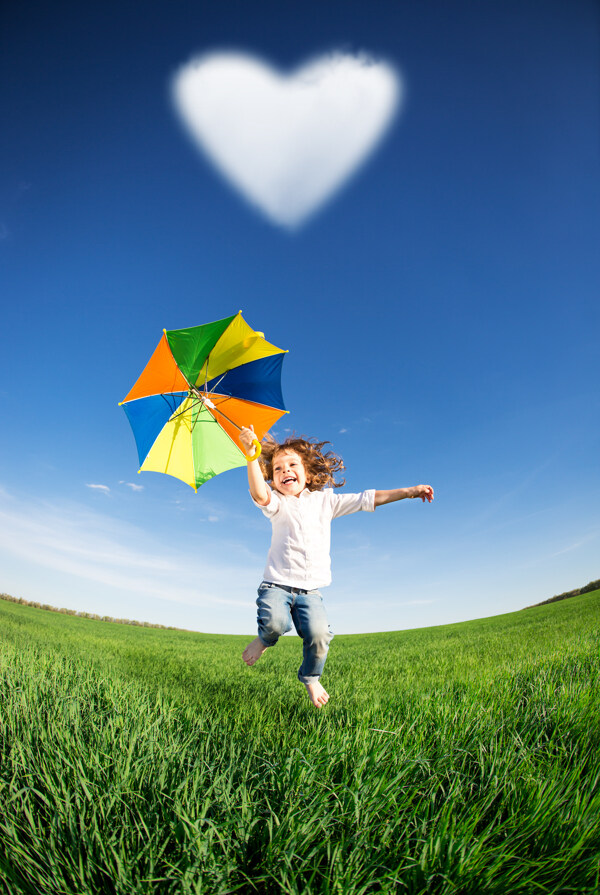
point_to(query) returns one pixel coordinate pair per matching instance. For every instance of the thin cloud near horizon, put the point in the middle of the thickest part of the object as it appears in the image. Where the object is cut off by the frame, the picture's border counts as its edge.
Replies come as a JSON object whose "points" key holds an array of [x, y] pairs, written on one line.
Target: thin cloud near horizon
{"points": [[77, 542]]}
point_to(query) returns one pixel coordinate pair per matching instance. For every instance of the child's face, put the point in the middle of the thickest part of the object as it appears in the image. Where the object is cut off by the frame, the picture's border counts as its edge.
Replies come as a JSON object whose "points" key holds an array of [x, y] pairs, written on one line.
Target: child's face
{"points": [[289, 474]]}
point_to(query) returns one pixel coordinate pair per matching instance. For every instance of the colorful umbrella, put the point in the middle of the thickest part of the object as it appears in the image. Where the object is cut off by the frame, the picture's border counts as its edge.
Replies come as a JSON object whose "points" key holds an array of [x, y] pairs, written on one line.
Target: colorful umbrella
{"points": [[196, 392]]}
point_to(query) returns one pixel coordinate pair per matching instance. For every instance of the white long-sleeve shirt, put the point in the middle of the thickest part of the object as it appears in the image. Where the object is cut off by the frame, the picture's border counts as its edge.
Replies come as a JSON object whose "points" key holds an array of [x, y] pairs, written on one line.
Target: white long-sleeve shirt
{"points": [[299, 552]]}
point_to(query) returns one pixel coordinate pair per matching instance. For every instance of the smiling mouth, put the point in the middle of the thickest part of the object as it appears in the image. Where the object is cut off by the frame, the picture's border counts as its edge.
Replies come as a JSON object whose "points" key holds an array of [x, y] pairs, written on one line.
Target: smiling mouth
{"points": [[289, 480]]}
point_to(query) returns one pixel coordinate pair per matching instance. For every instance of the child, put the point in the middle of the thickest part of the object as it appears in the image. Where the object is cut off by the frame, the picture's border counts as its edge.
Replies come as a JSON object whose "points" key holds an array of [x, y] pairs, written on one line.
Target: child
{"points": [[298, 562]]}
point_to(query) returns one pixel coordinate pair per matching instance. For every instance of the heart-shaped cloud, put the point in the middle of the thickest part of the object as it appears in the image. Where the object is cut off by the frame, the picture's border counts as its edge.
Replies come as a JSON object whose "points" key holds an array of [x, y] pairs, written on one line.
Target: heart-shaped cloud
{"points": [[288, 143]]}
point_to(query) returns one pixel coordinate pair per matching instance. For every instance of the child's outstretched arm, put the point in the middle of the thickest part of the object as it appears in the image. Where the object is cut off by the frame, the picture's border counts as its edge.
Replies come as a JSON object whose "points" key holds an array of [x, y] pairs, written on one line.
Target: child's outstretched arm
{"points": [[425, 492], [258, 487]]}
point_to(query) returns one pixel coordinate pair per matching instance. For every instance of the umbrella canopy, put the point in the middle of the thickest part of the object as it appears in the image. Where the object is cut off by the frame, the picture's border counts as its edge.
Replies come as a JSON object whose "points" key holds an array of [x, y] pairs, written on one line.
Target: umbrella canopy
{"points": [[196, 392]]}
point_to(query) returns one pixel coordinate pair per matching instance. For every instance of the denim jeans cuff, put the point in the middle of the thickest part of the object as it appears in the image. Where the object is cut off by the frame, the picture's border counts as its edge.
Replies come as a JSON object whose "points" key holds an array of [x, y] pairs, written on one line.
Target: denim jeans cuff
{"points": [[265, 642], [308, 678]]}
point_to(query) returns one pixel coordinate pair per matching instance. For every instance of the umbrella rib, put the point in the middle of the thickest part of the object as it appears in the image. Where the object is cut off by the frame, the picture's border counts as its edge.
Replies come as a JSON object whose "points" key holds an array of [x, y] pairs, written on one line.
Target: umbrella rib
{"points": [[214, 407], [195, 401], [187, 410], [200, 400], [214, 388], [180, 413], [166, 400], [227, 418]]}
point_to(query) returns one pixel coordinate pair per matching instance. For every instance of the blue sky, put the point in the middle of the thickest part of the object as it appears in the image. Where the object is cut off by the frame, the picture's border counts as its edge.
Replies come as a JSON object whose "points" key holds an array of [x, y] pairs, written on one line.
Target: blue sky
{"points": [[441, 312]]}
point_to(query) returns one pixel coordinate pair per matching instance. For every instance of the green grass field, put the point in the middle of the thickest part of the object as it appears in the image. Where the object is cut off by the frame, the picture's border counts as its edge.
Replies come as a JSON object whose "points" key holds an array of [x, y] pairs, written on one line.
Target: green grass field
{"points": [[458, 759]]}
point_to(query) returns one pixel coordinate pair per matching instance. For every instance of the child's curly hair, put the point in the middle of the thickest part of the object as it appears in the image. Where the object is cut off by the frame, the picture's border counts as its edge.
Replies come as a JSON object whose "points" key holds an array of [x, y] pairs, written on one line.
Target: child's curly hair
{"points": [[320, 466]]}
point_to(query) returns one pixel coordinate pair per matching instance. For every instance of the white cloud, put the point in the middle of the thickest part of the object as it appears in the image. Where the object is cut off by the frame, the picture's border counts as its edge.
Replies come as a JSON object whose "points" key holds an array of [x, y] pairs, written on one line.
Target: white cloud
{"points": [[133, 486], [77, 543], [580, 542], [287, 143], [103, 488]]}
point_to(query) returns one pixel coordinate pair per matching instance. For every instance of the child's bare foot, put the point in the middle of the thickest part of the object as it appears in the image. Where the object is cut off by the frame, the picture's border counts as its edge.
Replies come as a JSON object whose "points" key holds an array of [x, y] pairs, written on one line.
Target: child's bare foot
{"points": [[253, 651], [317, 694]]}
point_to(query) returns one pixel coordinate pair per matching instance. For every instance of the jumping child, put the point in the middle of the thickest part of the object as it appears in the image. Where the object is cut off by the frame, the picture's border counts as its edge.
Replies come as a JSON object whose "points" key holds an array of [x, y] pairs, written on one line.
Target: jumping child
{"points": [[298, 562]]}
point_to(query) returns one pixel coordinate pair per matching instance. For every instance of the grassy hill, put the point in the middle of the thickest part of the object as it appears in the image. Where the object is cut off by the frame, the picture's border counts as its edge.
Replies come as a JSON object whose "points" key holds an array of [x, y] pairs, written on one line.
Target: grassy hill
{"points": [[456, 759]]}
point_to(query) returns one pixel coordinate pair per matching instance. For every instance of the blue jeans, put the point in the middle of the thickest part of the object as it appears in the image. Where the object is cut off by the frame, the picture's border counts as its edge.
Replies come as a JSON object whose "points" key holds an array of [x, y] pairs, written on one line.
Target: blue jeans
{"points": [[278, 607]]}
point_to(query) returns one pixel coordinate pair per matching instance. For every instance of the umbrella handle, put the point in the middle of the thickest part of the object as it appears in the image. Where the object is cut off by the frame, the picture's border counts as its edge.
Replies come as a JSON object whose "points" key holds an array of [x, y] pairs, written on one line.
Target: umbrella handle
{"points": [[257, 452]]}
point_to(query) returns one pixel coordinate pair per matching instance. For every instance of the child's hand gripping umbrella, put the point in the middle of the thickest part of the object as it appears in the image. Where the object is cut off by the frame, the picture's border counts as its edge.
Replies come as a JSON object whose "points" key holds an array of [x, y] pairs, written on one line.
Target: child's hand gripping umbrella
{"points": [[199, 389]]}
